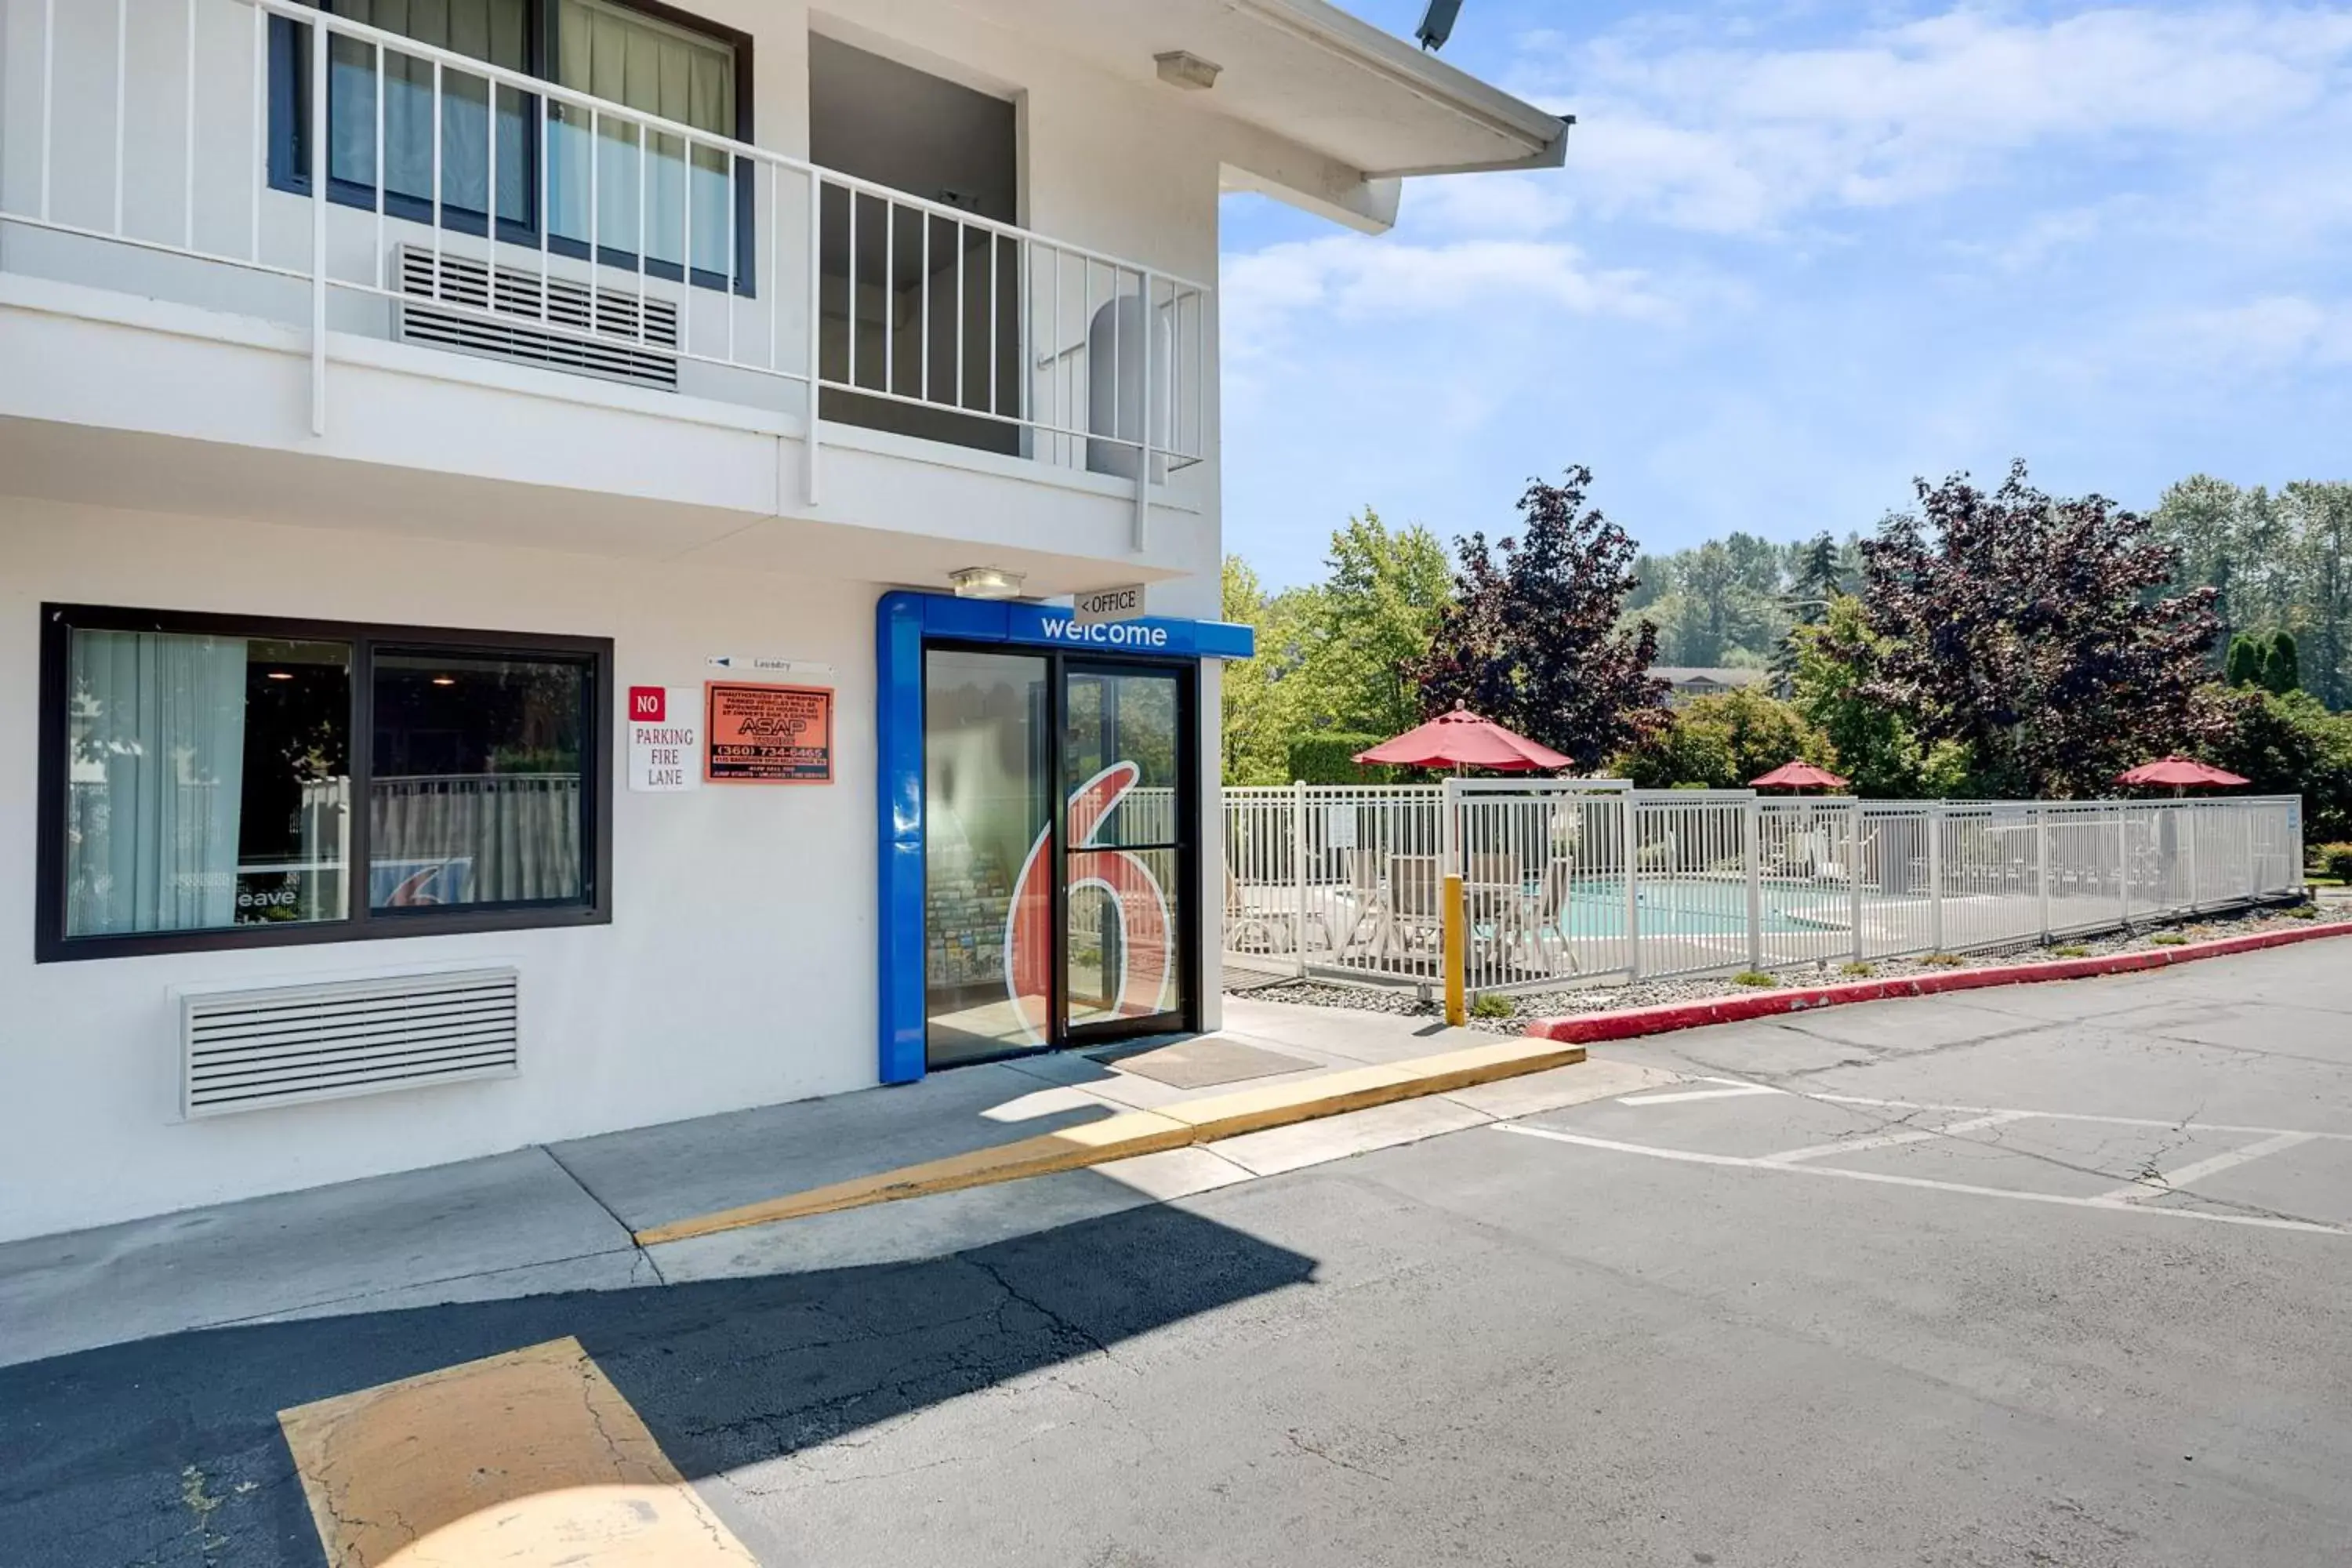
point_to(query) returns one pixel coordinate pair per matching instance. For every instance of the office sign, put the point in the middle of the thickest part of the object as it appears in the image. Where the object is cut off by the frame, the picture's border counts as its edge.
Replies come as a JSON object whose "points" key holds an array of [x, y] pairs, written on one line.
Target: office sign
{"points": [[768, 734], [1105, 606], [664, 739]]}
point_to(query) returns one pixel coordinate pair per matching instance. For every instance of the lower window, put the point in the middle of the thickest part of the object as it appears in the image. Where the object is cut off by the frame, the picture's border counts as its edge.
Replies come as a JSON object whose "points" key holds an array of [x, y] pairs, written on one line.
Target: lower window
{"points": [[209, 781]]}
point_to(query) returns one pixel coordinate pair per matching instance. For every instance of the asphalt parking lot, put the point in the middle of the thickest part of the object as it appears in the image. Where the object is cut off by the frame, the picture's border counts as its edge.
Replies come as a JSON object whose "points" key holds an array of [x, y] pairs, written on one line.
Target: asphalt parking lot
{"points": [[2048, 1275]]}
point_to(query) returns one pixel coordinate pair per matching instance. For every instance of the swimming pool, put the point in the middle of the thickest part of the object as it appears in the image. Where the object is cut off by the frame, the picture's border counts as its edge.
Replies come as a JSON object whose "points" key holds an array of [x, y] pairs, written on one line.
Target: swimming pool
{"points": [[1596, 908]]}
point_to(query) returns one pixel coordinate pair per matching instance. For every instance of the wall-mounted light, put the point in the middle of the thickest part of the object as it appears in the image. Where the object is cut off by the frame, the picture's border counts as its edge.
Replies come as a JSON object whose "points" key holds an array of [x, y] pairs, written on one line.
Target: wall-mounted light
{"points": [[445, 680], [985, 583], [281, 675], [1182, 67]]}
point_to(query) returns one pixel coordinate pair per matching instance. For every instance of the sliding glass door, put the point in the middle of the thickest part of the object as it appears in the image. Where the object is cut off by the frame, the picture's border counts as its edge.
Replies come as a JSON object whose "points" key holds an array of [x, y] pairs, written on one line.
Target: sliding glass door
{"points": [[1059, 822], [1129, 813]]}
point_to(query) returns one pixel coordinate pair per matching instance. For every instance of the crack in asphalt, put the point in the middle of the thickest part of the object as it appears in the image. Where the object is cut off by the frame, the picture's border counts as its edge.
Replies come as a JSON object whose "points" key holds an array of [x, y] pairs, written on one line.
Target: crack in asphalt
{"points": [[597, 1198], [1304, 1447], [1065, 1325]]}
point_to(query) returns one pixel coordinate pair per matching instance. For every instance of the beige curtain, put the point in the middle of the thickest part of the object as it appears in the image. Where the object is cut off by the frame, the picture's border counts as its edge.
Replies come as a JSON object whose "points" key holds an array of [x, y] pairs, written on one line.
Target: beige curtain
{"points": [[475, 839], [497, 31], [156, 776], [649, 66]]}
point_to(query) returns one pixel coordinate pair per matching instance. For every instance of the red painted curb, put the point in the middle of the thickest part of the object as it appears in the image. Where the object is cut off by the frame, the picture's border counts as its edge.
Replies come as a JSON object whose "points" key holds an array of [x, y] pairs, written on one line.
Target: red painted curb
{"points": [[1631, 1023]]}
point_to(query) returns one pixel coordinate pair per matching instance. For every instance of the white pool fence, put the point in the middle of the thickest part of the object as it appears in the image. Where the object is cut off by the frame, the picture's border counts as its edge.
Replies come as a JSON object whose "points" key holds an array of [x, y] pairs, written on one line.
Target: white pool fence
{"points": [[1572, 879]]}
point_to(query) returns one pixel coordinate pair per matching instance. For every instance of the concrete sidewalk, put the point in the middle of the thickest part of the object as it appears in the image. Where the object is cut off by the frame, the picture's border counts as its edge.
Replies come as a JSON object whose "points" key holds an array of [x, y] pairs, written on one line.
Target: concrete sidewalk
{"points": [[561, 1218]]}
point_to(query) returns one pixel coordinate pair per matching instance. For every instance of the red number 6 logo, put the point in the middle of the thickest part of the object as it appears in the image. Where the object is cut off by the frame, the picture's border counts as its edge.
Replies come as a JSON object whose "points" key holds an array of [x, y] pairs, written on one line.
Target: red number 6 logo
{"points": [[1145, 970]]}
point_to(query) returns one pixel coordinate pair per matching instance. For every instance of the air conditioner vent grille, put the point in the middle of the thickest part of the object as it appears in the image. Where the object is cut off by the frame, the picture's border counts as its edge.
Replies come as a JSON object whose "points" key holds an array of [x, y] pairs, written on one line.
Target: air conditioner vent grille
{"points": [[284, 1045], [591, 332]]}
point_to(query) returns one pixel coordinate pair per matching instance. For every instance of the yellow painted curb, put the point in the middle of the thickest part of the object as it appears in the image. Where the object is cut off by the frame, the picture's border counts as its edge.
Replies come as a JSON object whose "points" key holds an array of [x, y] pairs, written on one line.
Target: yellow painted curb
{"points": [[1136, 1132]]}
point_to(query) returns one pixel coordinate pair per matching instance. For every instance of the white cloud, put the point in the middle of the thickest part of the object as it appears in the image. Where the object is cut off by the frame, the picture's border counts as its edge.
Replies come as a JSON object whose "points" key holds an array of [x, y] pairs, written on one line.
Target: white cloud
{"points": [[1357, 278], [1740, 138], [2282, 332]]}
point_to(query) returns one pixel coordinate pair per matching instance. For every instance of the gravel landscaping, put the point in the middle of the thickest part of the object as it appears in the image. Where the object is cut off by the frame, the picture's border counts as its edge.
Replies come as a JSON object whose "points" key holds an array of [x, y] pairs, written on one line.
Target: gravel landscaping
{"points": [[1596, 998]]}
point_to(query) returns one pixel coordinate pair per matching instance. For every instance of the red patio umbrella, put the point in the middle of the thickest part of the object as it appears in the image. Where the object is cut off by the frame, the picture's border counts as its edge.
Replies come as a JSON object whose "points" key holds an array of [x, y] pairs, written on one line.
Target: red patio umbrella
{"points": [[1797, 776], [1463, 740], [2181, 772]]}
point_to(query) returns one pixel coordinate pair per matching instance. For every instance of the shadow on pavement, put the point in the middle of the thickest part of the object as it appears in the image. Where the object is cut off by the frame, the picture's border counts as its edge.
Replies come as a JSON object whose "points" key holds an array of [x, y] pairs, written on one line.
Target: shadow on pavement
{"points": [[167, 1451]]}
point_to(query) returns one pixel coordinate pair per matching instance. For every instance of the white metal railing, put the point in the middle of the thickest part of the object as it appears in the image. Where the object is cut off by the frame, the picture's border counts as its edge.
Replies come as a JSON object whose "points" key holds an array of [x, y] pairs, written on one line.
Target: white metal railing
{"points": [[168, 126], [1565, 879]]}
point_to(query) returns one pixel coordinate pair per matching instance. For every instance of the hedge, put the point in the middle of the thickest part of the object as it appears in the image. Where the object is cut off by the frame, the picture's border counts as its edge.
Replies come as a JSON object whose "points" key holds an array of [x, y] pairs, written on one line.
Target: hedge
{"points": [[1322, 758]]}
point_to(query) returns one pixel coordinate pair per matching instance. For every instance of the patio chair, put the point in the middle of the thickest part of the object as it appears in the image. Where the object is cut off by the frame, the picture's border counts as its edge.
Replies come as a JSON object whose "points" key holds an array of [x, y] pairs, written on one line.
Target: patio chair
{"points": [[1492, 889], [1244, 924], [1365, 898], [1413, 916], [1537, 923]]}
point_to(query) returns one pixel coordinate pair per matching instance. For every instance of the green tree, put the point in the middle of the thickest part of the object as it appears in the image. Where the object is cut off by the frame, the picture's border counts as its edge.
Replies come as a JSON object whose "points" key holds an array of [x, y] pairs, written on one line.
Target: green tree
{"points": [[1373, 615], [2317, 519], [2275, 561], [1877, 748], [1816, 576], [1331, 656], [2287, 745], [2244, 667], [1721, 742], [2281, 665], [1719, 603], [1255, 695], [2213, 527]]}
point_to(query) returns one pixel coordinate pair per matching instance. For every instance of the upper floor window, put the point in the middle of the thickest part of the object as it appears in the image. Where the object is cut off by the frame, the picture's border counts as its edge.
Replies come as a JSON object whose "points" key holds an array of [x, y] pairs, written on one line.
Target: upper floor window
{"points": [[394, 118], [209, 779]]}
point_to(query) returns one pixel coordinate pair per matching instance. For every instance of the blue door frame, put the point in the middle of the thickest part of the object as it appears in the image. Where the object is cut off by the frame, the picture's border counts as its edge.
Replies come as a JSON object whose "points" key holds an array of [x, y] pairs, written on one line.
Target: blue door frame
{"points": [[903, 622]]}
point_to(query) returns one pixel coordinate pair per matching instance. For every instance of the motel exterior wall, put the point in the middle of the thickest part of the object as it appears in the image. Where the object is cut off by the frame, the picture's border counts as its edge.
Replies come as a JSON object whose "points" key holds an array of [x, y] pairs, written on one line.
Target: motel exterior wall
{"points": [[158, 454], [161, 449], [738, 968], [141, 343]]}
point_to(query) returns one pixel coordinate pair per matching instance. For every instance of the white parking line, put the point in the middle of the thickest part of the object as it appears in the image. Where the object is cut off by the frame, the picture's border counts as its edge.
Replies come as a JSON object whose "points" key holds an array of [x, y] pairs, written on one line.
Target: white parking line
{"points": [[1893, 1139], [2065, 1116], [2111, 1204], [2165, 1182], [1676, 1097]]}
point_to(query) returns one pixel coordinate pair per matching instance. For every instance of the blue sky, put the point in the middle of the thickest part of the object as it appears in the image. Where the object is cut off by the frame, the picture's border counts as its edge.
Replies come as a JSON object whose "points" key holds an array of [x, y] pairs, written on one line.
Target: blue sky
{"points": [[1802, 252]]}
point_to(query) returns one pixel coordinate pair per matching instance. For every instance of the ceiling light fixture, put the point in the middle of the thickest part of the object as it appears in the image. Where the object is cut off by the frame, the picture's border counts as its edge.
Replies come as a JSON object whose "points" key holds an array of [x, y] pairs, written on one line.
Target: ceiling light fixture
{"points": [[281, 675], [445, 680], [985, 583], [1182, 67]]}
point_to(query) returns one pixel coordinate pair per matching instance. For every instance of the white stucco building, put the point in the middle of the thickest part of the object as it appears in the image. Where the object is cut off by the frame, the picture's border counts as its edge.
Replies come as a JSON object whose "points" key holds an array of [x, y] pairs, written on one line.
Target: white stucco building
{"points": [[470, 692]]}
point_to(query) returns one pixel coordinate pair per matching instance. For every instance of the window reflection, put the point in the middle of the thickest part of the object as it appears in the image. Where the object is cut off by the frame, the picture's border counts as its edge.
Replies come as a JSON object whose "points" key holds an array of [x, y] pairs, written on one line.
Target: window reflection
{"points": [[207, 780], [986, 777], [476, 797]]}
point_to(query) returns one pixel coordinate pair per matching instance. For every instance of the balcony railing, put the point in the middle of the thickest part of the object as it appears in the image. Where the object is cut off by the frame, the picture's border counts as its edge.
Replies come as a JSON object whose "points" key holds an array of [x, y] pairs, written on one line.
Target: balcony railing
{"points": [[492, 212]]}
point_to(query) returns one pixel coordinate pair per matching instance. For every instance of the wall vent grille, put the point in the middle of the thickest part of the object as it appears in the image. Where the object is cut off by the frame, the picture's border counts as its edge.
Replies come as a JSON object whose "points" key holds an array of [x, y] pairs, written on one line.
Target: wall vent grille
{"points": [[589, 331], [285, 1045]]}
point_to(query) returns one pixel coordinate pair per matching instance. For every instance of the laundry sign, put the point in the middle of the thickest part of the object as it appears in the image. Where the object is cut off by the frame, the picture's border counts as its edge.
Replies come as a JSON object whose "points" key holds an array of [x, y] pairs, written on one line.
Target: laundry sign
{"points": [[664, 739], [760, 664]]}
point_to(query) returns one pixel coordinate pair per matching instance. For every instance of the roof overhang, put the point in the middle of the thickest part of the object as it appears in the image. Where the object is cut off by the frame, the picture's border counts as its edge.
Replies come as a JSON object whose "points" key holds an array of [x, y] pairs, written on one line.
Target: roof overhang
{"points": [[1310, 103]]}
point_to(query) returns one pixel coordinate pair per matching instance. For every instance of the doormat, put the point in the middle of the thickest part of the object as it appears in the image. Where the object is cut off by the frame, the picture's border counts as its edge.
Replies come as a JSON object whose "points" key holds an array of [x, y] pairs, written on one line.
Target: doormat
{"points": [[1206, 1060]]}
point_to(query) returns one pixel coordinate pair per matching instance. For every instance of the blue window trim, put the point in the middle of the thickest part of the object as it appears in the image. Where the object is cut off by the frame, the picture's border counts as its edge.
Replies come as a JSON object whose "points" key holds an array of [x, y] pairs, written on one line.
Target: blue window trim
{"points": [[290, 171], [903, 622]]}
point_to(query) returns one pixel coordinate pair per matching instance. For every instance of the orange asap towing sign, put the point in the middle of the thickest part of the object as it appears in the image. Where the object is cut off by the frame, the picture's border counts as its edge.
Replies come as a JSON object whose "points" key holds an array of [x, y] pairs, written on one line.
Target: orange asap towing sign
{"points": [[768, 734]]}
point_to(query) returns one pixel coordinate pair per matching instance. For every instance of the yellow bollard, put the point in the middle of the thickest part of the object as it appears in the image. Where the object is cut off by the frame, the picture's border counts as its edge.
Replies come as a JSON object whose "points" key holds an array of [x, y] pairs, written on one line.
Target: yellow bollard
{"points": [[1458, 946]]}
